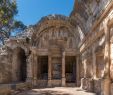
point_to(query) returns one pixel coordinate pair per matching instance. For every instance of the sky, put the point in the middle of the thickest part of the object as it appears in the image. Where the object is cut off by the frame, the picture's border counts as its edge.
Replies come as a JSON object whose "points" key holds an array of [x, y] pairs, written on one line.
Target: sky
{"points": [[31, 11]]}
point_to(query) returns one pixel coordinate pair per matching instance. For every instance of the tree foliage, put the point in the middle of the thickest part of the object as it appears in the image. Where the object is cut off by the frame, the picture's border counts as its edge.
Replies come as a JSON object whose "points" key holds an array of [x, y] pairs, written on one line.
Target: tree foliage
{"points": [[8, 10]]}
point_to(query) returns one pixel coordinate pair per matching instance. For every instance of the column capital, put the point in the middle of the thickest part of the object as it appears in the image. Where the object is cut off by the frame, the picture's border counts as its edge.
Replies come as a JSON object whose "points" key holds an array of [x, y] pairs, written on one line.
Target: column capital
{"points": [[63, 53]]}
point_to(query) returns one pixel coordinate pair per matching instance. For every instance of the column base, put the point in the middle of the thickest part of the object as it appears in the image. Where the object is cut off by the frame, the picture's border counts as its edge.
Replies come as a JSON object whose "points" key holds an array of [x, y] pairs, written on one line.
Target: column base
{"points": [[63, 81], [35, 82], [49, 83], [29, 82], [29, 79]]}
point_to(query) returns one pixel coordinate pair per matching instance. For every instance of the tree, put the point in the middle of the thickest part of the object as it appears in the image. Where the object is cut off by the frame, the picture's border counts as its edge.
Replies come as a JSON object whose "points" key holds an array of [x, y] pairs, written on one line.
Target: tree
{"points": [[8, 9]]}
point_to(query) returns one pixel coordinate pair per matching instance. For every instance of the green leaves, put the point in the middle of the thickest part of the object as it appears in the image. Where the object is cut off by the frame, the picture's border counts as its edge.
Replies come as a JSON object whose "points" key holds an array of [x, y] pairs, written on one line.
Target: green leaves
{"points": [[8, 9], [19, 25]]}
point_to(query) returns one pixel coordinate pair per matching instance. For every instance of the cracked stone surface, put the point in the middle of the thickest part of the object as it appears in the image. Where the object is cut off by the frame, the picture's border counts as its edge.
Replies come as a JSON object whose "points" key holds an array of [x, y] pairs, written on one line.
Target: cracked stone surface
{"points": [[56, 91]]}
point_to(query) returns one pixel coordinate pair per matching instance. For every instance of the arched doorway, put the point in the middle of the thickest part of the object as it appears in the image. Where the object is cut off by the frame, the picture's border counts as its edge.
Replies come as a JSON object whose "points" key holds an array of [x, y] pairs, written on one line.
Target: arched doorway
{"points": [[19, 65]]}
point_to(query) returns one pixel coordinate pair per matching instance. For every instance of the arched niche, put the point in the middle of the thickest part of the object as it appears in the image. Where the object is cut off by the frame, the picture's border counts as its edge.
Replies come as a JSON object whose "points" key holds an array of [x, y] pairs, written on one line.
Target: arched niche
{"points": [[19, 65], [100, 62]]}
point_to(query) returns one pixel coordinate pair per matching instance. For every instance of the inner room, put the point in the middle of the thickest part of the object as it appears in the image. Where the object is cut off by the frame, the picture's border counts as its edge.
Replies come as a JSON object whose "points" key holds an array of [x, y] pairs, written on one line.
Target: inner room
{"points": [[43, 67], [70, 69]]}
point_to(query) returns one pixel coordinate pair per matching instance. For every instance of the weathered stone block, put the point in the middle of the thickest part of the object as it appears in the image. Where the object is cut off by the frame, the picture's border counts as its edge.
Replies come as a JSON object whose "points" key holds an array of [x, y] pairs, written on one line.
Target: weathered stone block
{"points": [[87, 84], [42, 83], [5, 90], [56, 83], [112, 89], [97, 86], [105, 86]]}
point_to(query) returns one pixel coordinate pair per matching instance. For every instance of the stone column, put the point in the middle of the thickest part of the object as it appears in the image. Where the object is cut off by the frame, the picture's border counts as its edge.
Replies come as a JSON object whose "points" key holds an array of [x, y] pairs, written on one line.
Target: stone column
{"points": [[77, 71], [85, 68], [35, 70], [49, 71], [106, 78], [14, 68], [94, 63], [63, 69], [29, 69]]}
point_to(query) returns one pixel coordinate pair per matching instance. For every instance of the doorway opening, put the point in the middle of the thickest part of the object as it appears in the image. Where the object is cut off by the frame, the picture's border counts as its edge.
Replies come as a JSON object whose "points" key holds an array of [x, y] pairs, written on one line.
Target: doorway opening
{"points": [[56, 68], [70, 69], [21, 65], [43, 67]]}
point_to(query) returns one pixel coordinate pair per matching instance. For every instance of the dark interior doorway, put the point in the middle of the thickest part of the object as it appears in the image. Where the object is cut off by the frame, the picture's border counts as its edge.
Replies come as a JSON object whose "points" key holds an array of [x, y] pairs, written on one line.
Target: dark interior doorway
{"points": [[70, 69], [21, 65], [56, 68], [43, 67]]}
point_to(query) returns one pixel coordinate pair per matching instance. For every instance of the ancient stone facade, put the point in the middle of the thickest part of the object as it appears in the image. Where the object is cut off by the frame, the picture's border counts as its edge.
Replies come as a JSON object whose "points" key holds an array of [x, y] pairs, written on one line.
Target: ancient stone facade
{"points": [[64, 51]]}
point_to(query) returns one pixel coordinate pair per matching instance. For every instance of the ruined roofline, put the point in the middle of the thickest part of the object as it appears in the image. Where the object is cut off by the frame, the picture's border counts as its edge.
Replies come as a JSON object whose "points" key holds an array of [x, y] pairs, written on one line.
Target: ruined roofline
{"points": [[53, 21], [52, 17]]}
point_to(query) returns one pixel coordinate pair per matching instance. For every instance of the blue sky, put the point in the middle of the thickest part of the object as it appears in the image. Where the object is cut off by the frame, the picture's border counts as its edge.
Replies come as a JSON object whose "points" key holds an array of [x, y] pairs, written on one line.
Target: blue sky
{"points": [[31, 11]]}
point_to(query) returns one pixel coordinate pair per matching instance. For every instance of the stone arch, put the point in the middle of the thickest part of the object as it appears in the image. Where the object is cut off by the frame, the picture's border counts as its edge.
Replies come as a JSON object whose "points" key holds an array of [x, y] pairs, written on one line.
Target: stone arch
{"points": [[84, 15], [77, 20], [53, 24], [19, 65]]}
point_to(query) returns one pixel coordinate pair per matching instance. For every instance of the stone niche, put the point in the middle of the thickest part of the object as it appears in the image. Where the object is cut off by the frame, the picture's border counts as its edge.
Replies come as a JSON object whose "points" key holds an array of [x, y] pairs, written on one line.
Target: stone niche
{"points": [[19, 66], [99, 66], [111, 48], [99, 54], [97, 86], [81, 67], [111, 67], [87, 62]]}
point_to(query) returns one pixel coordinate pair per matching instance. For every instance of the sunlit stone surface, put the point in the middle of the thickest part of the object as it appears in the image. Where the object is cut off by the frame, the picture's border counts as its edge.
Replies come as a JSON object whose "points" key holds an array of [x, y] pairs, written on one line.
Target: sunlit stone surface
{"points": [[60, 51]]}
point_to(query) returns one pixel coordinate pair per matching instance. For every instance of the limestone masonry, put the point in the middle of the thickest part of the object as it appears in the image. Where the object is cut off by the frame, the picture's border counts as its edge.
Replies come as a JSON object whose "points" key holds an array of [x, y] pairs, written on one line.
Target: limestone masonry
{"points": [[74, 51]]}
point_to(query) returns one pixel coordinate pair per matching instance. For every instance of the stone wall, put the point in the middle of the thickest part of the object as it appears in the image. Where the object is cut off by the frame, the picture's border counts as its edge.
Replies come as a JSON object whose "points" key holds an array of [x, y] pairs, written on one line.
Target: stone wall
{"points": [[87, 66], [94, 64], [5, 65], [94, 50], [7, 57], [86, 30]]}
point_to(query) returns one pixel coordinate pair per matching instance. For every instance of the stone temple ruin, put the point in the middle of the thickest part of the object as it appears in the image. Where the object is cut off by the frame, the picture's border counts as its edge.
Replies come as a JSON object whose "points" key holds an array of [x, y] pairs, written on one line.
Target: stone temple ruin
{"points": [[64, 51]]}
